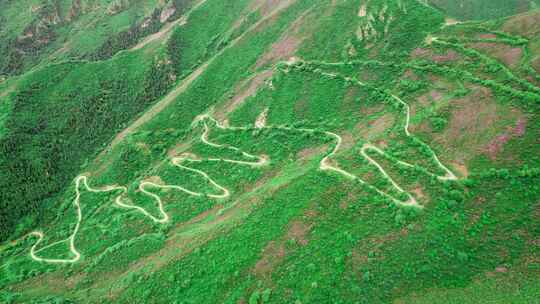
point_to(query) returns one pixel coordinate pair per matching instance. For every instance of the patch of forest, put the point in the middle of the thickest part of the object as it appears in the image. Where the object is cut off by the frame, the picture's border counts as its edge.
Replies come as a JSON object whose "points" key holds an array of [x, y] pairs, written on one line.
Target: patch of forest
{"points": [[63, 116]]}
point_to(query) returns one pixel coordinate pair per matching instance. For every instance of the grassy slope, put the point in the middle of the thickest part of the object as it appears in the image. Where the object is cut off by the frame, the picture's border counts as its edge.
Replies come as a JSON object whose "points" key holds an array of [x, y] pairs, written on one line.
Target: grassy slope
{"points": [[63, 114], [90, 91], [483, 9], [87, 30], [294, 233]]}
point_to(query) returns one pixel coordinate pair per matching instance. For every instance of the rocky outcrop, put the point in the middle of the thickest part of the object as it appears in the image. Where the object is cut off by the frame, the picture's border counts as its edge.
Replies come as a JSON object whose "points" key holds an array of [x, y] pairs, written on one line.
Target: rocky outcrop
{"points": [[40, 31], [75, 10], [167, 12], [117, 6]]}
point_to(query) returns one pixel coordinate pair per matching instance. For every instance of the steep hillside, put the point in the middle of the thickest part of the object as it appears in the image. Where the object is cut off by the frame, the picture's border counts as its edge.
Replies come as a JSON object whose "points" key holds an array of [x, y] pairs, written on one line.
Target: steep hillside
{"points": [[484, 9], [271, 151], [44, 31]]}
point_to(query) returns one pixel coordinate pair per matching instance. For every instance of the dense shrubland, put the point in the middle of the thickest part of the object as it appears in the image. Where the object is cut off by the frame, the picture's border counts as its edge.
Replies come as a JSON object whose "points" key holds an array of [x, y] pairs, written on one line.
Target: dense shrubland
{"points": [[63, 116]]}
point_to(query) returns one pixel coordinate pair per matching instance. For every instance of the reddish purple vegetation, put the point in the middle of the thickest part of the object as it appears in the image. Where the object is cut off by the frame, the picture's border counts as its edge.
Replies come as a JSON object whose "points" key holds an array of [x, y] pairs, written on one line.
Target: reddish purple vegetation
{"points": [[488, 36], [435, 95], [449, 56], [497, 144], [519, 129]]}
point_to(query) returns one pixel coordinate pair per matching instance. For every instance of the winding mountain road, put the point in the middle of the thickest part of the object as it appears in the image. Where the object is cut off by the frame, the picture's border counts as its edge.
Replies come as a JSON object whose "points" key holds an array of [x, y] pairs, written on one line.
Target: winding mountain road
{"points": [[180, 162], [183, 161]]}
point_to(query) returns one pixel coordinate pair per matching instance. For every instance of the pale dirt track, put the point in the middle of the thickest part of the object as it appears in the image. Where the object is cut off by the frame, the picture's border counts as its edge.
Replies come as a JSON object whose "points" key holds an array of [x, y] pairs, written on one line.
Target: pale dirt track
{"points": [[186, 83], [180, 162], [222, 192], [253, 161]]}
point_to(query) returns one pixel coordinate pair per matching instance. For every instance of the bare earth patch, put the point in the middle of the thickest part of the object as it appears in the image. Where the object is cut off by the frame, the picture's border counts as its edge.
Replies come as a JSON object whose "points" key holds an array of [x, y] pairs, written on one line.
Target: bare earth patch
{"points": [[272, 255], [360, 255], [309, 153], [266, 7], [55, 282], [471, 116], [450, 21], [260, 122], [519, 129], [301, 107], [497, 144], [154, 179], [450, 55], [351, 198], [435, 95], [461, 168], [282, 49], [419, 193], [286, 47], [179, 148], [375, 127], [349, 100], [348, 141], [372, 109], [244, 90], [275, 251], [507, 54], [363, 10], [410, 75], [527, 24], [487, 36], [163, 33], [298, 231]]}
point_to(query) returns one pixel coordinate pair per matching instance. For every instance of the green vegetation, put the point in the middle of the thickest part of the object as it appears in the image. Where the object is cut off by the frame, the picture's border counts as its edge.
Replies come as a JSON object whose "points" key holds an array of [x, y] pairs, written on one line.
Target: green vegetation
{"points": [[482, 9], [62, 115], [195, 44], [34, 32], [307, 152]]}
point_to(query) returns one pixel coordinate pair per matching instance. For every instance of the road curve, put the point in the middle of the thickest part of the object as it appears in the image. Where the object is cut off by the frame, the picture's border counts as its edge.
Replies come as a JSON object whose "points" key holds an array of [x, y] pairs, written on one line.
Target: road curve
{"points": [[222, 192]]}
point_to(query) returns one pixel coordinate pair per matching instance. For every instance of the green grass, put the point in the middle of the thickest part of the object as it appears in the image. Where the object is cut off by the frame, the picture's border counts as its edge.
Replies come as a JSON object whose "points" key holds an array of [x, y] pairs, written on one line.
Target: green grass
{"points": [[62, 115], [198, 40], [490, 290], [481, 10], [15, 16], [67, 37]]}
